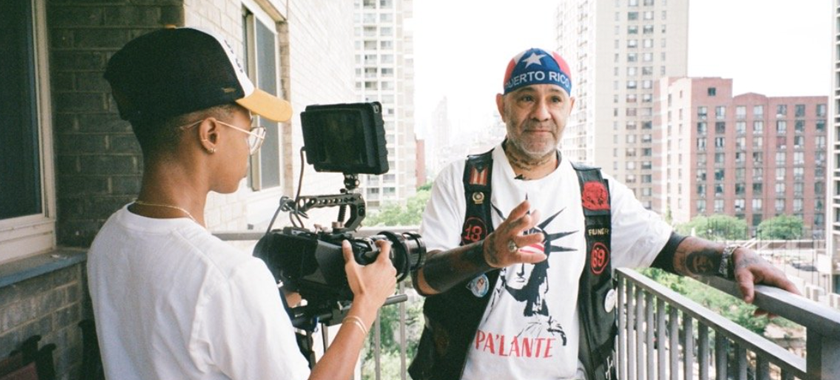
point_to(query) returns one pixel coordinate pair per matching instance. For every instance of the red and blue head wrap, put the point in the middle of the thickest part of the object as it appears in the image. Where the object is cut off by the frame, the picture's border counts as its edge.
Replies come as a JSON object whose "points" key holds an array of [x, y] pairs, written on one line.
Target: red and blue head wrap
{"points": [[537, 66]]}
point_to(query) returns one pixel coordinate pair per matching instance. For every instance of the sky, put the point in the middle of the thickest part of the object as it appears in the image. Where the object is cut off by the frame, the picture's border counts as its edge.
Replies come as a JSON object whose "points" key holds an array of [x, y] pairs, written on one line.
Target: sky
{"points": [[462, 47]]}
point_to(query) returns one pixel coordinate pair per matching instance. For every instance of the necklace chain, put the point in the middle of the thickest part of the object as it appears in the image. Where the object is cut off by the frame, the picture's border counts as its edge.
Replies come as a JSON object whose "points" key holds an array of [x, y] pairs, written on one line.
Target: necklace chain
{"points": [[141, 203]]}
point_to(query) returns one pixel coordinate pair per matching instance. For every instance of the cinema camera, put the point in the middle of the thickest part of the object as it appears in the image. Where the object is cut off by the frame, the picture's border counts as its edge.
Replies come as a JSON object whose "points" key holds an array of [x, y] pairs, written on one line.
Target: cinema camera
{"points": [[340, 138]]}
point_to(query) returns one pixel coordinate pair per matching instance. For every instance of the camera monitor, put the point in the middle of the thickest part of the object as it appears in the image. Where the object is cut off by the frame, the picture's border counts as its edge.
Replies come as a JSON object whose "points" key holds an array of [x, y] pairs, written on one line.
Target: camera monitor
{"points": [[345, 138]]}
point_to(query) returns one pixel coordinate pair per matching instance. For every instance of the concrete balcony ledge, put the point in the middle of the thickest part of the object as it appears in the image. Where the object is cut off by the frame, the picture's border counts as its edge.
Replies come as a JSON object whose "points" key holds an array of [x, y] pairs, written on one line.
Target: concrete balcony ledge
{"points": [[40, 264]]}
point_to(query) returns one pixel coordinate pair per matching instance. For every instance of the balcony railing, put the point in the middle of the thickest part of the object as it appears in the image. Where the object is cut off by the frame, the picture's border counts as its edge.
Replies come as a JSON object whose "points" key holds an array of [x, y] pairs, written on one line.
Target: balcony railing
{"points": [[664, 335]]}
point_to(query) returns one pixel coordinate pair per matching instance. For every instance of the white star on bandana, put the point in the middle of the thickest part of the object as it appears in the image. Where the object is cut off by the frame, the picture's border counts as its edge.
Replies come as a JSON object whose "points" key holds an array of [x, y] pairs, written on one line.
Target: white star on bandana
{"points": [[534, 59]]}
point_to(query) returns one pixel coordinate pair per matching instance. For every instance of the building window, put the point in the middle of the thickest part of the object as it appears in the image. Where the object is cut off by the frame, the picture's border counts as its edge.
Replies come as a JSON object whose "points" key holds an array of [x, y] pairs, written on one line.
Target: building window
{"points": [[26, 176], [781, 110], [758, 112], [720, 127], [758, 126], [711, 91], [756, 204], [781, 127], [740, 112], [701, 128], [702, 113], [720, 112], [821, 110], [799, 110], [263, 66]]}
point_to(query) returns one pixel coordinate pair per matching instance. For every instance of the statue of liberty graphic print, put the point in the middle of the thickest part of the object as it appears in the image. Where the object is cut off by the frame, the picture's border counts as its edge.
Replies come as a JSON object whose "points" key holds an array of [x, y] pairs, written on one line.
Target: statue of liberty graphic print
{"points": [[528, 284]]}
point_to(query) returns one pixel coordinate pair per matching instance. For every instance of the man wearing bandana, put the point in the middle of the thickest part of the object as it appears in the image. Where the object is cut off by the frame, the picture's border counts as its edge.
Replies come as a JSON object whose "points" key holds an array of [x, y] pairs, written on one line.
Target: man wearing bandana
{"points": [[534, 249]]}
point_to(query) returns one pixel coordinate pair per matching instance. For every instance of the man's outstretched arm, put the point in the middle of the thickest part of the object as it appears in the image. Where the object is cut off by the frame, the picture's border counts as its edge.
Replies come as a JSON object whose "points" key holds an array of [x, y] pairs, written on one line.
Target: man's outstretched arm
{"points": [[445, 269], [692, 256]]}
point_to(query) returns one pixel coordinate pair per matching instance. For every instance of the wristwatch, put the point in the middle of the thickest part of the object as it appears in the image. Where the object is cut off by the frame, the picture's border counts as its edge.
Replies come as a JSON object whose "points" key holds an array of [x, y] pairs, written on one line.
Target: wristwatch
{"points": [[726, 269]]}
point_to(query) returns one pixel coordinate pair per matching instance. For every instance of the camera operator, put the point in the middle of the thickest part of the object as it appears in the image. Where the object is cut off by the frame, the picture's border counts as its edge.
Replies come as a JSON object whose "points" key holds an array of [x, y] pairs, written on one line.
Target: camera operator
{"points": [[172, 301]]}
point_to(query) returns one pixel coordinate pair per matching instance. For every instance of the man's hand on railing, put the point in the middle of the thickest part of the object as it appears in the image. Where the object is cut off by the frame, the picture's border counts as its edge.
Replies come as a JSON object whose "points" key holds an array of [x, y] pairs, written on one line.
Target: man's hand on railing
{"points": [[751, 269], [699, 257]]}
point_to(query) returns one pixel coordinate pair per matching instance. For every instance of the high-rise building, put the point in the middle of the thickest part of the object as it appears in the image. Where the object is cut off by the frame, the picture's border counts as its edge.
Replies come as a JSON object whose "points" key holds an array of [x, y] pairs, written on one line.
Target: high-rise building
{"points": [[384, 49], [614, 68], [833, 238], [750, 156]]}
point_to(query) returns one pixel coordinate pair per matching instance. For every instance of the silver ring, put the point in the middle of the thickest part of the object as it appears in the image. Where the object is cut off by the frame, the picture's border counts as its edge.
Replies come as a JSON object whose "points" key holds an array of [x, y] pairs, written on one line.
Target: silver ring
{"points": [[512, 246]]}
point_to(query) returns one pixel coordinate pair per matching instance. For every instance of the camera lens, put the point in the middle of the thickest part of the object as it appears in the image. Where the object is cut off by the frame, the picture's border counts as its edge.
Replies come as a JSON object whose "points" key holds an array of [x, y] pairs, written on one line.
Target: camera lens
{"points": [[407, 251]]}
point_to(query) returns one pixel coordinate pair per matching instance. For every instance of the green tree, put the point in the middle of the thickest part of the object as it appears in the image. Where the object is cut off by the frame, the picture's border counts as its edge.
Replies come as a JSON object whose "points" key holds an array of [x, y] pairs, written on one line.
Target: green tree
{"points": [[715, 227], [394, 214], [782, 227]]}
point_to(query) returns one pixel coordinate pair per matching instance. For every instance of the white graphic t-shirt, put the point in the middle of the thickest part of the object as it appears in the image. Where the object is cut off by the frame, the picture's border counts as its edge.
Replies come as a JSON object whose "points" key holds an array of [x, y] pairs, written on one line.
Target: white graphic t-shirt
{"points": [[530, 328]]}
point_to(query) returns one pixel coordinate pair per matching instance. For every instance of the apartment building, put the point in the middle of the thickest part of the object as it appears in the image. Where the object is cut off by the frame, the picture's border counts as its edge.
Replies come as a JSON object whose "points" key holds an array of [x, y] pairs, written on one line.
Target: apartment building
{"points": [[614, 69], [749, 155], [833, 199], [70, 161], [384, 56]]}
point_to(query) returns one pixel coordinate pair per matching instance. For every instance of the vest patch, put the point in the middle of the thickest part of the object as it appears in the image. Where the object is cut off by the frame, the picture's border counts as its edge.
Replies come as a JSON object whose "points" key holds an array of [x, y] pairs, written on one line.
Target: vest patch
{"points": [[479, 286], [595, 196], [600, 258], [474, 230]]}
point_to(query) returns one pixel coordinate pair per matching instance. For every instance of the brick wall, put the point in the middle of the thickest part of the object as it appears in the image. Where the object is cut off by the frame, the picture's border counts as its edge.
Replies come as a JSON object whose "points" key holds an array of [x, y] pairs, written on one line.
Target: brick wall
{"points": [[98, 161], [51, 305]]}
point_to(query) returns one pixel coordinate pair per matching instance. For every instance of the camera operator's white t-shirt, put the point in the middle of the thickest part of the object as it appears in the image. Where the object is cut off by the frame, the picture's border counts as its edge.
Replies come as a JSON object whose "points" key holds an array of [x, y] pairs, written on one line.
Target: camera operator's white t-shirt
{"points": [[172, 301], [530, 328]]}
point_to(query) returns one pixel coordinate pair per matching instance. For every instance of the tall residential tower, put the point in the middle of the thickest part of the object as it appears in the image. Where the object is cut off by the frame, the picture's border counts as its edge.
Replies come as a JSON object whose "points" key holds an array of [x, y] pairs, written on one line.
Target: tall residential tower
{"points": [[384, 49], [614, 68]]}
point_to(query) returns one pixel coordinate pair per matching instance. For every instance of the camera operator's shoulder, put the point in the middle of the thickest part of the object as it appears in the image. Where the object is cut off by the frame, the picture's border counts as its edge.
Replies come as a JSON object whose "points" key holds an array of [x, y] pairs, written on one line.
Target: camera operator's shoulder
{"points": [[219, 256]]}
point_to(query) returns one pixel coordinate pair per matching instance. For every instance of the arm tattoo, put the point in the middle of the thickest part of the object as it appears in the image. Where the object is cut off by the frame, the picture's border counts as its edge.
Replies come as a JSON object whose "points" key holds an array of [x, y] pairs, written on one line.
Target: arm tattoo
{"points": [[445, 269], [696, 257]]}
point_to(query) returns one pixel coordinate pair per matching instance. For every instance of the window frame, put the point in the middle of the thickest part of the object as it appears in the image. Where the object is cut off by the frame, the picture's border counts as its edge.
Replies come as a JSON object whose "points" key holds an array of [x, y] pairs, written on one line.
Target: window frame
{"points": [[30, 234]]}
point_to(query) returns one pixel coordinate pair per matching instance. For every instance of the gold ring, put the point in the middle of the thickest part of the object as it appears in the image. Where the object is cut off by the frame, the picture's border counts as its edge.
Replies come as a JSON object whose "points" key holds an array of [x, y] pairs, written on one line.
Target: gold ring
{"points": [[512, 246]]}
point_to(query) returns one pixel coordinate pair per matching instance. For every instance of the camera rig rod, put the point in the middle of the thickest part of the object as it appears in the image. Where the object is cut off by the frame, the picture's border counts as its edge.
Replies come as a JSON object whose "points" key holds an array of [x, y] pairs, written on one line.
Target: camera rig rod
{"points": [[353, 201]]}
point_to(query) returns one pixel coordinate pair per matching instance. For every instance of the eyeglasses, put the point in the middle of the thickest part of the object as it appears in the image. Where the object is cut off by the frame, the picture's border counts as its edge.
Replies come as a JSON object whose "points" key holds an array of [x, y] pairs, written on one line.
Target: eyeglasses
{"points": [[255, 138]]}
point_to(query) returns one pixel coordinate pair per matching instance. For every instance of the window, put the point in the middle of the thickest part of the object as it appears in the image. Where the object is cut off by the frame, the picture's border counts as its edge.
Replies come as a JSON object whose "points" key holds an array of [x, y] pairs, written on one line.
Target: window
{"points": [[632, 16], [741, 112], [633, 29], [26, 176], [756, 204], [781, 127], [821, 109], [632, 57], [780, 158], [720, 112], [758, 126], [799, 110], [758, 142], [718, 205], [758, 112], [799, 126], [781, 110], [647, 29], [720, 127], [720, 142], [702, 113], [711, 91], [701, 128], [263, 67], [740, 127], [701, 206]]}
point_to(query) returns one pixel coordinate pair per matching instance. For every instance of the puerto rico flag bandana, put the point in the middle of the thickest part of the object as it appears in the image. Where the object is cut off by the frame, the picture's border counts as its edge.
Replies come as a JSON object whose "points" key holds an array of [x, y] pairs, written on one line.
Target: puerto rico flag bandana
{"points": [[537, 66]]}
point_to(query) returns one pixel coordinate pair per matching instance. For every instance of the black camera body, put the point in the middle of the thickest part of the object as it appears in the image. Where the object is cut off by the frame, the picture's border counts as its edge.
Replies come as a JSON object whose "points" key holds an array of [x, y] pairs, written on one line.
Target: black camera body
{"points": [[312, 263], [346, 138]]}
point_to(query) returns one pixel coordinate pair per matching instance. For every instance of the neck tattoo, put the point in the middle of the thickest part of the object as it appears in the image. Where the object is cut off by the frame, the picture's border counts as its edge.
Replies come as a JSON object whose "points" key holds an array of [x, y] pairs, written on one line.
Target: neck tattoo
{"points": [[141, 203], [527, 165]]}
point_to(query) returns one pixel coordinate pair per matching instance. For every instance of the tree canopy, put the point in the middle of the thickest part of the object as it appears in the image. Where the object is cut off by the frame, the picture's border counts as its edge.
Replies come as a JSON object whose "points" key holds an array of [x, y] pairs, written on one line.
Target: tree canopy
{"points": [[782, 227], [394, 214], [715, 227]]}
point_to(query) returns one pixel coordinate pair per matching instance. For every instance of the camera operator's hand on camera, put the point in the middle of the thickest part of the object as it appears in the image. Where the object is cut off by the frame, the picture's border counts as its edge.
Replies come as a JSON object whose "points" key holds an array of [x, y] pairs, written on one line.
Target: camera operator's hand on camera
{"points": [[502, 247], [373, 283]]}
